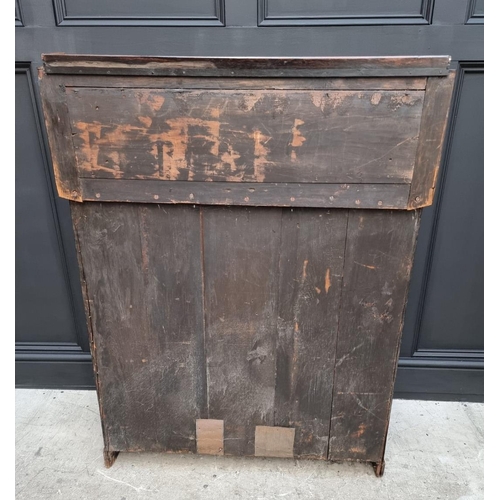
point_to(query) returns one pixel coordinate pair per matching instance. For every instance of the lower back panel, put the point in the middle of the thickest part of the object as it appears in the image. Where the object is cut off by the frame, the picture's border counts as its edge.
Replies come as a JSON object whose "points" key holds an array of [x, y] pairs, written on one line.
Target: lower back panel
{"points": [[254, 316]]}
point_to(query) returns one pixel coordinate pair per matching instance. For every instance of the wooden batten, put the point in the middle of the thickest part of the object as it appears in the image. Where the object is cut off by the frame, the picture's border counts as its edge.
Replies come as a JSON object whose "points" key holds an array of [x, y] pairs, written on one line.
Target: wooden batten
{"points": [[274, 442], [431, 140], [210, 437], [380, 196], [59, 134], [343, 67]]}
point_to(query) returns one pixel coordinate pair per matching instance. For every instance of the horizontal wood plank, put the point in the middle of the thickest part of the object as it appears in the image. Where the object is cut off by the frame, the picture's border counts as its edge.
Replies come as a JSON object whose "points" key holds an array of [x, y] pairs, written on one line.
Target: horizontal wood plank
{"points": [[246, 136], [382, 196], [173, 82], [220, 67]]}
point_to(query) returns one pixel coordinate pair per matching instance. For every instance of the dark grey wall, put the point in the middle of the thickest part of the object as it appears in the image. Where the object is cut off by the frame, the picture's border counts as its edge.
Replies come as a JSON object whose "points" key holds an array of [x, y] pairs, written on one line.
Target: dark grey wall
{"points": [[442, 349]]}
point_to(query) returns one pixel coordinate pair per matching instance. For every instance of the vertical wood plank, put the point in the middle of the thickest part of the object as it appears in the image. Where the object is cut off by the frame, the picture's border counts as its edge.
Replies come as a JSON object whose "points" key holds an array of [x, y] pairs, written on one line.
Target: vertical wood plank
{"points": [[77, 214], [241, 247], [143, 272], [378, 260], [431, 139], [57, 122], [171, 257], [311, 264]]}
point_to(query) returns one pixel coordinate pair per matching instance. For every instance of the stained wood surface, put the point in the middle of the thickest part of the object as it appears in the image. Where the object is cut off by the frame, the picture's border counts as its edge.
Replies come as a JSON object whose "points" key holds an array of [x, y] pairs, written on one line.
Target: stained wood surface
{"points": [[246, 136], [174, 82], [241, 251], [166, 119], [252, 67], [378, 259], [311, 263], [58, 127], [87, 304], [380, 196], [248, 315], [431, 141], [267, 329], [143, 273]]}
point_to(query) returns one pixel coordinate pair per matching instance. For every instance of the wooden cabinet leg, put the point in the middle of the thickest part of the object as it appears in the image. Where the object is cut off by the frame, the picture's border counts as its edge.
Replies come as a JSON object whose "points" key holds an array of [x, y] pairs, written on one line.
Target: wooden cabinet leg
{"points": [[109, 457], [379, 468]]}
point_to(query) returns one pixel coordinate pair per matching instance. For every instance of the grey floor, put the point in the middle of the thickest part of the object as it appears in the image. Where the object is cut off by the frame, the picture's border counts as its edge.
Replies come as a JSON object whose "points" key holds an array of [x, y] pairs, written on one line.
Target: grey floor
{"points": [[434, 451]]}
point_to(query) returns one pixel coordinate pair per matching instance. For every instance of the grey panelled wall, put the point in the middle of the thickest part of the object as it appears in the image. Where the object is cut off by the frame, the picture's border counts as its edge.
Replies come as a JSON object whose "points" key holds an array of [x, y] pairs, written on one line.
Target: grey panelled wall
{"points": [[147, 12], [442, 348], [51, 340], [284, 12]]}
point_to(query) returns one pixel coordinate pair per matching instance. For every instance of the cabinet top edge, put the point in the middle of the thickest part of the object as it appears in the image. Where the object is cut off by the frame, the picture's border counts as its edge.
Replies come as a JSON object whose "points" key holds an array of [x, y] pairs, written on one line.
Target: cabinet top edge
{"points": [[84, 64]]}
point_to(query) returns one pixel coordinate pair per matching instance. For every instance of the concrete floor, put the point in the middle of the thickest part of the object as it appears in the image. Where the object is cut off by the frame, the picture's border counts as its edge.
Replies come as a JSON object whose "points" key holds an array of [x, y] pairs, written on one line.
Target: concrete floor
{"points": [[434, 451]]}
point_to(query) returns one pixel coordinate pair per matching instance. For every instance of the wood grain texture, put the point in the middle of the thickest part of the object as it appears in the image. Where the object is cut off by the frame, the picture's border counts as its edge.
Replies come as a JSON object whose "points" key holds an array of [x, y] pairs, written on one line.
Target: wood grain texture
{"points": [[251, 67], [241, 260], [430, 145], [311, 264], [246, 136], [143, 275], [77, 212], [291, 318], [58, 127], [268, 325], [173, 82], [209, 436], [378, 260], [380, 196], [274, 441]]}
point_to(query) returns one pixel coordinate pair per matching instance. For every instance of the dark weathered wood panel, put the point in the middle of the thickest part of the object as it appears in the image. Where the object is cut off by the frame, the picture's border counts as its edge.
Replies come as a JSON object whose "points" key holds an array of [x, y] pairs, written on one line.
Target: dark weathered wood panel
{"points": [[172, 268], [241, 248], [380, 196], [77, 212], [246, 136], [142, 270], [173, 82], [378, 260], [311, 264], [311, 67], [59, 133], [430, 144]]}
